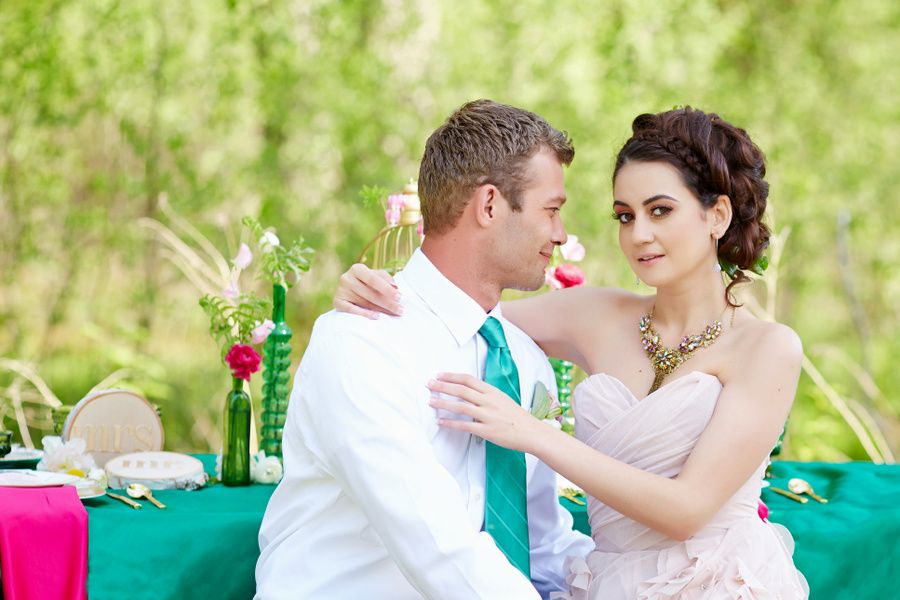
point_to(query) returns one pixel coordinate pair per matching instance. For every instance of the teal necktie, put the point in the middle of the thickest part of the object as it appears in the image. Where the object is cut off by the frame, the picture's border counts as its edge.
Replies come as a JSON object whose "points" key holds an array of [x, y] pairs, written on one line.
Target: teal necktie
{"points": [[505, 497]]}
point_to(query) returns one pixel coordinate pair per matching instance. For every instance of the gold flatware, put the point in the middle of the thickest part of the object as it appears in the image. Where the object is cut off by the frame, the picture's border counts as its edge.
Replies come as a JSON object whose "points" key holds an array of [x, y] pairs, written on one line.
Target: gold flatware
{"points": [[139, 490], [790, 495], [801, 486], [572, 494], [127, 501]]}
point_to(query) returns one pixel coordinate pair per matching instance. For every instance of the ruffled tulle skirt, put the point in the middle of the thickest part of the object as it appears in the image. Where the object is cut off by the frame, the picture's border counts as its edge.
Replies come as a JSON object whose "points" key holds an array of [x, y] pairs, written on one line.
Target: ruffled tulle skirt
{"points": [[750, 560]]}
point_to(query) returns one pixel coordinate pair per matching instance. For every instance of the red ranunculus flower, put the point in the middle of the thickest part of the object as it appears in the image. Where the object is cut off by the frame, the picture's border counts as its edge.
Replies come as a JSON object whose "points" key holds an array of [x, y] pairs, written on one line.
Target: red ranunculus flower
{"points": [[243, 361], [569, 275]]}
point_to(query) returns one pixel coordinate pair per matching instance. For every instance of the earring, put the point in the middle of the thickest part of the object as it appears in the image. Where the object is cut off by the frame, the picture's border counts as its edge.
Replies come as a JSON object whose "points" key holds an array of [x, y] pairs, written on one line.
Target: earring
{"points": [[637, 280], [716, 266]]}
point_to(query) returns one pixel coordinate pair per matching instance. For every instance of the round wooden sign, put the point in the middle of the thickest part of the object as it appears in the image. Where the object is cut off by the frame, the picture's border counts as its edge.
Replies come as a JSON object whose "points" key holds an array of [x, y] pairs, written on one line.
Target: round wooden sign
{"points": [[113, 422]]}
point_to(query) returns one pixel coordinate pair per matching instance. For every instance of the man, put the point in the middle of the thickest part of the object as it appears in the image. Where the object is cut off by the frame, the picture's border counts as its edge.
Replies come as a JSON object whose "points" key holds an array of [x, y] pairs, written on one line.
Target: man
{"points": [[377, 501]]}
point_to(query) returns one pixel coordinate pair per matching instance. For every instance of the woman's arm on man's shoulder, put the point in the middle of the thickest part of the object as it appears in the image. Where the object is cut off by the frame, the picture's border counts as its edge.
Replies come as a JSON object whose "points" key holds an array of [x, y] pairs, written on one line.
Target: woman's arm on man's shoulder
{"points": [[565, 323]]}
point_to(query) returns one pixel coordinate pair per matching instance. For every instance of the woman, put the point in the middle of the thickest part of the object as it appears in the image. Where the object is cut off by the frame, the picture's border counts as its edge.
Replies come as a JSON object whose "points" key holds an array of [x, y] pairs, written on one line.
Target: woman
{"points": [[671, 457]]}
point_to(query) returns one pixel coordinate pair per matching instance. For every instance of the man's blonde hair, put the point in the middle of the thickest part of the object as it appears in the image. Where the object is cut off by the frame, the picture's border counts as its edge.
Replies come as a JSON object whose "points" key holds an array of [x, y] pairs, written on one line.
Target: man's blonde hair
{"points": [[482, 142]]}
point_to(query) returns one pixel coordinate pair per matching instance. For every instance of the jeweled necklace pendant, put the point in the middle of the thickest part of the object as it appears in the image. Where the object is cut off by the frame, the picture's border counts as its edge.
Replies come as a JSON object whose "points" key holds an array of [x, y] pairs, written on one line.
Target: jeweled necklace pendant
{"points": [[666, 360]]}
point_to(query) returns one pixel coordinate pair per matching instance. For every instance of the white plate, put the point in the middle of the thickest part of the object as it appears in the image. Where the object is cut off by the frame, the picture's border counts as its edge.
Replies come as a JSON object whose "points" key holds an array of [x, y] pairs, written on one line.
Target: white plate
{"points": [[100, 495], [30, 478], [21, 453]]}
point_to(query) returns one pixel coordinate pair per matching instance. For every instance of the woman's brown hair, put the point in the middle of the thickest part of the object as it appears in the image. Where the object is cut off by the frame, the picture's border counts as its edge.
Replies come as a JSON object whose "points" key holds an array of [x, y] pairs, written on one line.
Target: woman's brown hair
{"points": [[714, 158]]}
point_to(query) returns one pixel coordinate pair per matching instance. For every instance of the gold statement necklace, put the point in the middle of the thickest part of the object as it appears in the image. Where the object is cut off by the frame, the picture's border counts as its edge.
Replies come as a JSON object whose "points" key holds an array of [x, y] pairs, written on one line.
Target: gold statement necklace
{"points": [[666, 360]]}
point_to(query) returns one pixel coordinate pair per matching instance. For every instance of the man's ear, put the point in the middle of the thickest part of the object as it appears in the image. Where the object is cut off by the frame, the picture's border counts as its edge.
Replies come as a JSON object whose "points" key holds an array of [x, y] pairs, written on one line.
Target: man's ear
{"points": [[721, 214], [485, 203]]}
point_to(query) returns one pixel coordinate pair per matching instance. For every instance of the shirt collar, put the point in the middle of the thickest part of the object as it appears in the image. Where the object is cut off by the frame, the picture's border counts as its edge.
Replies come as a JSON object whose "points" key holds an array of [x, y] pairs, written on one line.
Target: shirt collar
{"points": [[461, 314]]}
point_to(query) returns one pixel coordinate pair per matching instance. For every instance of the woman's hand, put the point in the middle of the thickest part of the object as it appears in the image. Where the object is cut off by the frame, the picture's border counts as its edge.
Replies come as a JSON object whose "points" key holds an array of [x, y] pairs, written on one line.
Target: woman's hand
{"points": [[363, 291], [497, 417]]}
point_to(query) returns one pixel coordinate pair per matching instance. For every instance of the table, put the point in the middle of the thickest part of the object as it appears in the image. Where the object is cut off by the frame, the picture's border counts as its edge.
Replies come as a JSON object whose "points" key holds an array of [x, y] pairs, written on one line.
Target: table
{"points": [[848, 548], [205, 544]]}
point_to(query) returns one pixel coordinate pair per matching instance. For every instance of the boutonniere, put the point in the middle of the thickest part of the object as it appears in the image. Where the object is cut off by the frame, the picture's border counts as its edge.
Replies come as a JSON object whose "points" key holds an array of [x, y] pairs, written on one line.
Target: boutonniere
{"points": [[544, 406]]}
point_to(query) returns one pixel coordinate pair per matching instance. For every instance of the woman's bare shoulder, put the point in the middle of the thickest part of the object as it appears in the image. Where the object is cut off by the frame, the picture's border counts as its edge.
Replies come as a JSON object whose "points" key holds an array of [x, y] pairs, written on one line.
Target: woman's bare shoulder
{"points": [[766, 347]]}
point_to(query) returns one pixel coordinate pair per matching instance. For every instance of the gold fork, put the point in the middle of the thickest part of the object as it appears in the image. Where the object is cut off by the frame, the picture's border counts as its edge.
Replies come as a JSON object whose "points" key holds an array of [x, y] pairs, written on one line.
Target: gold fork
{"points": [[790, 495]]}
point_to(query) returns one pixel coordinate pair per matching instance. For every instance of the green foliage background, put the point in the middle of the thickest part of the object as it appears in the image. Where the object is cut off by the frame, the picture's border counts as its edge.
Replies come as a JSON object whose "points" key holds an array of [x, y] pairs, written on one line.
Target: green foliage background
{"points": [[284, 110]]}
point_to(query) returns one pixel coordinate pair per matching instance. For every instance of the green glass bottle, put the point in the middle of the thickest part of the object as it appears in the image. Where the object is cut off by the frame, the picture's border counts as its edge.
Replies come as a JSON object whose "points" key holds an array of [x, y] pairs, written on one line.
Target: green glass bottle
{"points": [[276, 377], [236, 447], [562, 369]]}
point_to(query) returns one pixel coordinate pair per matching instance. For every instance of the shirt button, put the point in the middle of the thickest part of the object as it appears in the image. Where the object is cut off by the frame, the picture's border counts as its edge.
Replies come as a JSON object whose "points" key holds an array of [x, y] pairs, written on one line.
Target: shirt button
{"points": [[476, 496]]}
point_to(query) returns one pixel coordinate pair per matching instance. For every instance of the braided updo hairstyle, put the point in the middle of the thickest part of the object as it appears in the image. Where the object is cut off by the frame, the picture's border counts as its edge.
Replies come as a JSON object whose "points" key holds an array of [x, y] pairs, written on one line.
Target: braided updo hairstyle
{"points": [[714, 157]]}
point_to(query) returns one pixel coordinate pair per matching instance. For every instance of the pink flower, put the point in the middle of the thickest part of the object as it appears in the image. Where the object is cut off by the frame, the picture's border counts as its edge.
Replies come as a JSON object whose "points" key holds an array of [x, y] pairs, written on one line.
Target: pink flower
{"points": [[763, 511], [243, 258], [551, 281], [569, 275], [395, 204], [243, 361], [232, 290], [392, 216], [261, 332], [572, 250]]}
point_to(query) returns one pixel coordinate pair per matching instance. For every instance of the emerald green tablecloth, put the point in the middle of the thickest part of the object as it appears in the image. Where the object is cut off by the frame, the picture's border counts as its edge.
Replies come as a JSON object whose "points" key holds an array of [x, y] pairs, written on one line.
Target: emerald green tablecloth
{"points": [[205, 546], [848, 548]]}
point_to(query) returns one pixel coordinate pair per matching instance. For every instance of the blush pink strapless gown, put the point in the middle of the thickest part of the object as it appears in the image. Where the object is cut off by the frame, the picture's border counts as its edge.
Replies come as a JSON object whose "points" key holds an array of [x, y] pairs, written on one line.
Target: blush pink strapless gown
{"points": [[736, 555]]}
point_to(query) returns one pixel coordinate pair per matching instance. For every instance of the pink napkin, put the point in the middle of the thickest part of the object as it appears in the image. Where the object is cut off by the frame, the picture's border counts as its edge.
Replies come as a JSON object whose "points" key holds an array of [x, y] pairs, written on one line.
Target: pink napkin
{"points": [[43, 544]]}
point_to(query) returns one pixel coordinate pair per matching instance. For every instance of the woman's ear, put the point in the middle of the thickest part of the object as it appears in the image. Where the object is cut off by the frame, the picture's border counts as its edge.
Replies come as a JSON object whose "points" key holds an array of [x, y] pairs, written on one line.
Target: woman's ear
{"points": [[721, 216]]}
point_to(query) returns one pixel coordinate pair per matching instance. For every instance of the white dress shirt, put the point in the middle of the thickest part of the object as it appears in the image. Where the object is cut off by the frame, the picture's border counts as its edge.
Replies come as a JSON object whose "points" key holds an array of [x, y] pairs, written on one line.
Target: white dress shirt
{"points": [[377, 501]]}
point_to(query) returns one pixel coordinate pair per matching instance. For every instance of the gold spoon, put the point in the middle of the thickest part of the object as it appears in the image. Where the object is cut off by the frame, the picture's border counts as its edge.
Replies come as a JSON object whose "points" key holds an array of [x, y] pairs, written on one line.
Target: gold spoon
{"points": [[801, 486], [139, 490], [127, 501]]}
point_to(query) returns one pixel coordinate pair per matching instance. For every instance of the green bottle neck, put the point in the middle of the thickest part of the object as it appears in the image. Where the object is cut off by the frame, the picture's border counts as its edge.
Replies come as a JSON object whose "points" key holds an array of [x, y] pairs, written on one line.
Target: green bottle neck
{"points": [[237, 384], [277, 303]]}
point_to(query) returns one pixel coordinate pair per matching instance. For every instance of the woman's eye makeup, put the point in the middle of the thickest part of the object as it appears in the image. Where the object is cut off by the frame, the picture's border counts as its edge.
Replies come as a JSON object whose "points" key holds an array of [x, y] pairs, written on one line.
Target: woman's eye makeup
{"points": [[624, 216]]}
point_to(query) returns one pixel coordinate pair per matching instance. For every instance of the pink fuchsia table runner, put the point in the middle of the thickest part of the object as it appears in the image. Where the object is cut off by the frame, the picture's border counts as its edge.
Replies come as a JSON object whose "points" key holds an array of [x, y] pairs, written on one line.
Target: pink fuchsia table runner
{"points": [[43, 544]]}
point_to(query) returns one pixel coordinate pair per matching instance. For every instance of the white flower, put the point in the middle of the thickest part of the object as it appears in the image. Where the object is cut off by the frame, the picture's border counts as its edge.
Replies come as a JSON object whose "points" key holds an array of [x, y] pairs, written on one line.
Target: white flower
{"points": [[68, 457], [265, 469], [243, 258], [261, 332], [99, 475], [572, 250], [268, 241]]}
